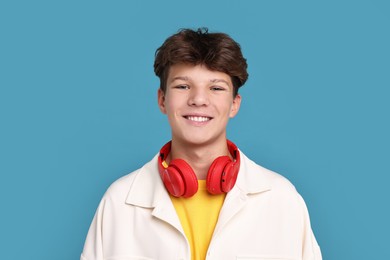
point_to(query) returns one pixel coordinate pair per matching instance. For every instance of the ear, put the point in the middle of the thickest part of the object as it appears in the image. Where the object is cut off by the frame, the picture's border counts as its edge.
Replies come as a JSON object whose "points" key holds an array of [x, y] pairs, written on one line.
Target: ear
{"points": [[161, 101], [235, 106]]}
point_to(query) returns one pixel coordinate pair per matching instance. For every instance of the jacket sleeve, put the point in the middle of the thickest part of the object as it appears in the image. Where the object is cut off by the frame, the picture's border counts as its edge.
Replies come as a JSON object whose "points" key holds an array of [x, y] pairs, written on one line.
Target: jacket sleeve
{"points": [[311, 249], [93, 247]]}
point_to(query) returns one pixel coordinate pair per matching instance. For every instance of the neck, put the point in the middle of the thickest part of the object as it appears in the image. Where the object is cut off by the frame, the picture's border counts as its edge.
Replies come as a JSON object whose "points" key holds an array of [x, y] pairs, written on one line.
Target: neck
{"points": [[199, 157]]}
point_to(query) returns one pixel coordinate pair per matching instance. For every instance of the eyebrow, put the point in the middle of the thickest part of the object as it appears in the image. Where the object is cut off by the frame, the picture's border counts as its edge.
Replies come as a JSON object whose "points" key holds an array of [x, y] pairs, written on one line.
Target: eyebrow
{"points": [[184, 78], [220, 80], [180, 78]]}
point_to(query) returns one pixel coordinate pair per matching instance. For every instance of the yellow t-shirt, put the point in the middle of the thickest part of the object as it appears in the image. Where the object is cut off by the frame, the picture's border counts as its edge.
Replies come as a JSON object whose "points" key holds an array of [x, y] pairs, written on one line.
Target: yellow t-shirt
{"points": [[198, 216]]}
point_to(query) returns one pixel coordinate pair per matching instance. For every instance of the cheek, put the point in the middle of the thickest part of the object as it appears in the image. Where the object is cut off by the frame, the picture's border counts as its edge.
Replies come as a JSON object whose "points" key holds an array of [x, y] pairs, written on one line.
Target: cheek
{"points": [[171, 107], [227, 108]]}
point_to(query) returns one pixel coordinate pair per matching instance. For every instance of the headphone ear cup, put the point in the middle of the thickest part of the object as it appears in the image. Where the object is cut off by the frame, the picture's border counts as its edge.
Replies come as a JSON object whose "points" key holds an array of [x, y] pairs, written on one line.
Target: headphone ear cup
{"points": [[188, 185], [173, 181], [229, 176], [215, 175]]}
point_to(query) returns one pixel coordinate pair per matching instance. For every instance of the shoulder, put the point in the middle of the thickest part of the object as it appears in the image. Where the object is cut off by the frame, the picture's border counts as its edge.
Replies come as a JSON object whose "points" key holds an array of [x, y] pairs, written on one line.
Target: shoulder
{"points": [[136, 187], [120, 188], [269, 185], [266, 185], [277, 181], [254, 177]]}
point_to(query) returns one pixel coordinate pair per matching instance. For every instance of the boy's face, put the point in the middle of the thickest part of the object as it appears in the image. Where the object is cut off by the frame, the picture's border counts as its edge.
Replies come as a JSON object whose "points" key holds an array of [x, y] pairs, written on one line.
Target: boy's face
{"points": [[198, 103]]}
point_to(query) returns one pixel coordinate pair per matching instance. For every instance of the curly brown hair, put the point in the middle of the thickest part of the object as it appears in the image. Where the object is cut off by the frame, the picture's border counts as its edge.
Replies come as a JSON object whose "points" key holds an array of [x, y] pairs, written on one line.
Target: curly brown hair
{"points": [[217, 51]]}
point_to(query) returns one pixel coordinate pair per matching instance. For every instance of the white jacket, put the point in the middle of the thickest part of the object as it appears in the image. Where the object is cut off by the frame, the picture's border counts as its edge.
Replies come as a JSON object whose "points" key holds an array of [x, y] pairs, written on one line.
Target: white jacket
{"points": [[263, 217]]}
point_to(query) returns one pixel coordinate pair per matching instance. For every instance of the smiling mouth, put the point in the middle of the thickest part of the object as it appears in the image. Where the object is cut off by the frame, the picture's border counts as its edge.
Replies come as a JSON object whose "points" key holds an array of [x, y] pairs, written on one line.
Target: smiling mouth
{"points": [[198, 118]]}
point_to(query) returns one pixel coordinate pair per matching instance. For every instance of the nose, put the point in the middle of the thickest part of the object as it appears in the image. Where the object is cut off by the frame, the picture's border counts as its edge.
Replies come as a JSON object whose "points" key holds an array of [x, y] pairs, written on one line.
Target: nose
{"points": [[198, 97]]}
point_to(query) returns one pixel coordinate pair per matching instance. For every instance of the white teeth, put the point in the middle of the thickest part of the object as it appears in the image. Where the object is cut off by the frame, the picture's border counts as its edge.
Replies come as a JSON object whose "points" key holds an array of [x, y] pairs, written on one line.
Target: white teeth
{"points": [[198, 118]]}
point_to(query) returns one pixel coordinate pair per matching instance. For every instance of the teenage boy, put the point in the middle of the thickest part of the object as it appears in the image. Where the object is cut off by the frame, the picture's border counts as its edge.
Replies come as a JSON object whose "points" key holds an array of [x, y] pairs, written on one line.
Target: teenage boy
{"points": [[200, 197]]}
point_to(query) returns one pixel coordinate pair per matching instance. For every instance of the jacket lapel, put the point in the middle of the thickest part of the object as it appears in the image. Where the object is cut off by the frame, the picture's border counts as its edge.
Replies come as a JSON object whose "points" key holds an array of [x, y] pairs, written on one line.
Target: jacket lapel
{"points": [[148, 191], [250, 180]]}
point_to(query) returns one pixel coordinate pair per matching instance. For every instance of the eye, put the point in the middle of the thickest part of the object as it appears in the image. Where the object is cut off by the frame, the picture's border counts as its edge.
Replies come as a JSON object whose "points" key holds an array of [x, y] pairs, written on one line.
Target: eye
{"points": [[182, 87], [217, 88]]}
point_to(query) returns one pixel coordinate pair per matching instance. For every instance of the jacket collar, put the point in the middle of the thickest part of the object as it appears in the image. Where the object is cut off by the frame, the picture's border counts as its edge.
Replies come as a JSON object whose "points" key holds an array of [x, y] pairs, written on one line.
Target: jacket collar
{"points": [[148, 190], [252, 178]]}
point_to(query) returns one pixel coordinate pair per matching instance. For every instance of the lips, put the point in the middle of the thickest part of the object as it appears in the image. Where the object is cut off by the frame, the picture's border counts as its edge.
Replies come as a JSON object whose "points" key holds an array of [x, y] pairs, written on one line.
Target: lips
{"points": [[199, 119]]}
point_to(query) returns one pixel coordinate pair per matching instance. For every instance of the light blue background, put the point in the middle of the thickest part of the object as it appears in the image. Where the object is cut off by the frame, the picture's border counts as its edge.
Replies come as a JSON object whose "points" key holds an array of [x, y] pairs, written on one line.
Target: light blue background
{"points": [[78, 110]]}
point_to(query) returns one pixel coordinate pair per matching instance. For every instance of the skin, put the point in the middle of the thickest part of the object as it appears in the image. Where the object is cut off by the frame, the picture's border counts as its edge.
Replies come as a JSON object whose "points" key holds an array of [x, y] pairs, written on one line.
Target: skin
{"points": [[198, 103]]}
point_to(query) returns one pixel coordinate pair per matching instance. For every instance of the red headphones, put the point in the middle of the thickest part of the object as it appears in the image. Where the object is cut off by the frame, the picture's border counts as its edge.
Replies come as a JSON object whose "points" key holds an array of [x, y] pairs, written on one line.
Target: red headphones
{"points": [[180, 180]]}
